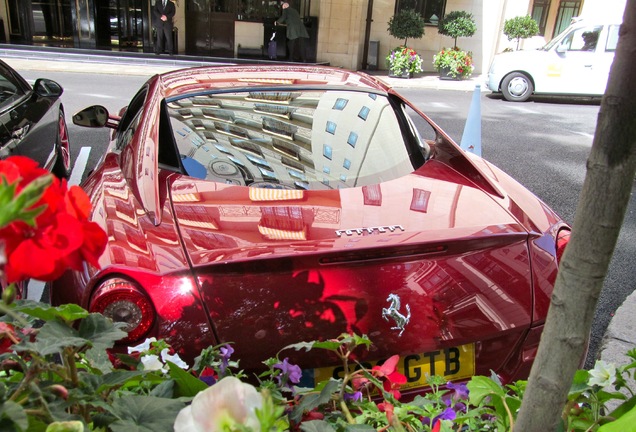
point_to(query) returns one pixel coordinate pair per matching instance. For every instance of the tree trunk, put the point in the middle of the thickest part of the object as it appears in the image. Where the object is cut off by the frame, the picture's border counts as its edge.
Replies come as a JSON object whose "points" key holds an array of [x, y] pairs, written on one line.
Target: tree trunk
{"points": [[599, 216]]}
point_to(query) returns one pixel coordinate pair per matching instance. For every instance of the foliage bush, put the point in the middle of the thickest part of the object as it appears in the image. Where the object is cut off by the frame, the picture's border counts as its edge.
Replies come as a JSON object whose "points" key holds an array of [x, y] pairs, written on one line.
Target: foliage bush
{"points": [[521, 27], [458, 63], [405, 24], [403, 60], [457, 24]]}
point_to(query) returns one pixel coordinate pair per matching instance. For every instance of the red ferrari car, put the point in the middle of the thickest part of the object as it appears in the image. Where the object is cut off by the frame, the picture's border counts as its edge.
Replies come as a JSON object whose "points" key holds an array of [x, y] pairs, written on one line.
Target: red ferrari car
{"points": [[264, 205]]}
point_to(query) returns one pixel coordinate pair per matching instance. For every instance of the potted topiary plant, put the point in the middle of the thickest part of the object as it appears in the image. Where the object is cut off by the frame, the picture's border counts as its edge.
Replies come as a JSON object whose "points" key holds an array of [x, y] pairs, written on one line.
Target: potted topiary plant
{"points": [[403, 61], [455, 63], [521, 27]]}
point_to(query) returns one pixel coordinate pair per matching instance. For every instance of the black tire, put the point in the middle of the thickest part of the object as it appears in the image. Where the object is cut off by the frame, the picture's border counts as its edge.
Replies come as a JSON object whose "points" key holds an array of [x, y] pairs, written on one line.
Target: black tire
{"points": [[517, 87], [62, 167]]}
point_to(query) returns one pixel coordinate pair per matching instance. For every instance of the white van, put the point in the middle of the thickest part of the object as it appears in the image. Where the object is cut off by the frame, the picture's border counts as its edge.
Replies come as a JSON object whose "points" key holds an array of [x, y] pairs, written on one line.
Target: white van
{"points": [[576, 62]]}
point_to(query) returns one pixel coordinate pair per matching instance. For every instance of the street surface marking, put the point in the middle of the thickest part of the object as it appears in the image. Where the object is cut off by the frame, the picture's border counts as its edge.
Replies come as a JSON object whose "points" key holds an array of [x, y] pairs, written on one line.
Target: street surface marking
{"points": [[79, 166], [35, 290]]}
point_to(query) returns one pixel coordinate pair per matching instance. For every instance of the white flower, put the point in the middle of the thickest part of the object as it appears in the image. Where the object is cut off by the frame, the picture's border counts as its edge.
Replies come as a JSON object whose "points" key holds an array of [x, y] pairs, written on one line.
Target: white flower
{"points": [[151, 362], [144, 346], [221, 407], [173, 358], [603, 374]]}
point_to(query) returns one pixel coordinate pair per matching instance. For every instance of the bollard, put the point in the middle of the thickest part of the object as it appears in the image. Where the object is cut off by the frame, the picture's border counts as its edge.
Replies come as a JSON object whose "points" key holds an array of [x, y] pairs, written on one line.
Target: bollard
{"points": [[471, 139]]}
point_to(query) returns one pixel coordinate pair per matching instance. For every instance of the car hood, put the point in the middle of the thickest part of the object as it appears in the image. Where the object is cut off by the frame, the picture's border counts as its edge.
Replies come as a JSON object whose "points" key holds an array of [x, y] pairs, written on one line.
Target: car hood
{"points": [[522, 60], [276, 267]]}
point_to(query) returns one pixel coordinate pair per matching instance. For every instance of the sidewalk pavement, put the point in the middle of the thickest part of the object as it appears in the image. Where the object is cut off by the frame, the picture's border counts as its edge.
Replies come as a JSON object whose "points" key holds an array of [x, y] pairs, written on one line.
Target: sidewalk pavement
{"points": [[621, 333], [150, 64]]}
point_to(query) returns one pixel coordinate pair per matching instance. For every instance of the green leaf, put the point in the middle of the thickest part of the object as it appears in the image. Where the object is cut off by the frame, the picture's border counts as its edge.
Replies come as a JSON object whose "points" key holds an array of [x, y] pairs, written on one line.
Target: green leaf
{"points": [[53, 337], [15, 413], [579, 384], [186, 384], [16, 207], [67, 312], [624, 423], [164, 390], [100, 331], [145, 414], [313, 400], [308, 346], [624, 408], [480, 387], [68, 426], [318, 426], [101, 383]]}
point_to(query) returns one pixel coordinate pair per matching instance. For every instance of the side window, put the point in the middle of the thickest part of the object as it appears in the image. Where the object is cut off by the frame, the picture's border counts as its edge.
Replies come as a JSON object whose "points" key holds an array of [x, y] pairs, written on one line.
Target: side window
{"points": [[612, 38], [130, 119], [583, 39], [9, 91]]}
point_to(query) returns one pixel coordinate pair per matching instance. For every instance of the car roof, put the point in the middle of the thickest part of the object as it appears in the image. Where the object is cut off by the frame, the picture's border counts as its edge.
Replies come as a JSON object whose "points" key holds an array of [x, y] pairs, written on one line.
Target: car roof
{"points": [[245, 76]]}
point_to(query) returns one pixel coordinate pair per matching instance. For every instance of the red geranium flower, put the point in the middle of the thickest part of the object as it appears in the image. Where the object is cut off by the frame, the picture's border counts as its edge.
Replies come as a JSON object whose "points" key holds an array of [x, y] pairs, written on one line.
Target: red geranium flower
{"points": [[62, 237]]}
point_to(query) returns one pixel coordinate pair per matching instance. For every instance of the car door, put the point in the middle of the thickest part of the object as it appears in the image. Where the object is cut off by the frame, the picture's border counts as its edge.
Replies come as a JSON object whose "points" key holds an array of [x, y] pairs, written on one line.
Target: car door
{"points": [[30, 116], [579, 57], [12, 93]]}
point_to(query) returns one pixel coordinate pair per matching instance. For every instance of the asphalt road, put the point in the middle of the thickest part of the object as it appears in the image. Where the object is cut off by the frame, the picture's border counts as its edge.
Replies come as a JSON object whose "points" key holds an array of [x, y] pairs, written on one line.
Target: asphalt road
{"points": [[544, 144]]}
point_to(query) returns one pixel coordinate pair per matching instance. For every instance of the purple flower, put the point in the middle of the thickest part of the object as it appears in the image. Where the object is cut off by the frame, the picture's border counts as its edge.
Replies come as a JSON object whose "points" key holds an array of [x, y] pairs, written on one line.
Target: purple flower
{"points": [[290, 371], [226, 352], [460, 391], [447, 414], [353, 397]]}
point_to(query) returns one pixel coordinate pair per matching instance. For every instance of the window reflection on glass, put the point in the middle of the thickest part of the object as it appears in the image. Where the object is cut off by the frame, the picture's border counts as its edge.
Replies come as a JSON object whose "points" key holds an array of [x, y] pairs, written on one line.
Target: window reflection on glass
{"points": [[431, 10]]}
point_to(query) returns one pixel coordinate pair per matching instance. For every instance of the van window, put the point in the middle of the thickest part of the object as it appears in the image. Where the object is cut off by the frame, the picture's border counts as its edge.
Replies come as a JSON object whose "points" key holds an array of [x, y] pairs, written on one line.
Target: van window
{"points": [[582, 39], [612, 38]]}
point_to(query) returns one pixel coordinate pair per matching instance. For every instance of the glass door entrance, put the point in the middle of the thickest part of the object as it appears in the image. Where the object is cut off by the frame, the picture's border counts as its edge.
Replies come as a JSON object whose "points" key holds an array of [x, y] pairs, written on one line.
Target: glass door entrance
{"points": [[119, 24], [52, 22], [210, 29]]}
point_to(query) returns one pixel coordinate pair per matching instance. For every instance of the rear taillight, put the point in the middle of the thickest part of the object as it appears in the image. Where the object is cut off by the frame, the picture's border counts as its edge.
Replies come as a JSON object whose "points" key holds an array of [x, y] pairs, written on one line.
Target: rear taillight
{"points": [[122, 301], [561, 242]]}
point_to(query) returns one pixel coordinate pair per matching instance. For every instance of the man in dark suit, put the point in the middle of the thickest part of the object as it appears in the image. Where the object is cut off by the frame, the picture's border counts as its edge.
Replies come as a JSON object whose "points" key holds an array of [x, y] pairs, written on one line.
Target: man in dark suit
{"points": [[163, 13], [296, 31]]}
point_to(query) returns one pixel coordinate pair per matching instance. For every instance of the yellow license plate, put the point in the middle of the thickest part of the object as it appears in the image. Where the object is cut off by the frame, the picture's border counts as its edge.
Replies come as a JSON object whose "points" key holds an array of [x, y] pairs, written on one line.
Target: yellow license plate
{"points": [[452, 363]]}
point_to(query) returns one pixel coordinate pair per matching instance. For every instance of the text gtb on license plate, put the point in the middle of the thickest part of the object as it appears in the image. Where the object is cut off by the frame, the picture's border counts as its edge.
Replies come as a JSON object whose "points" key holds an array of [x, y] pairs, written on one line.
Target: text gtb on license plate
{"points": [[452, 363]]}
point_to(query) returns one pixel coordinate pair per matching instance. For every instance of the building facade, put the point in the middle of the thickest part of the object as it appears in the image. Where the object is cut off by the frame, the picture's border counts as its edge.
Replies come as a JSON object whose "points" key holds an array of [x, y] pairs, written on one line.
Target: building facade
{"points": [[345, 33]]}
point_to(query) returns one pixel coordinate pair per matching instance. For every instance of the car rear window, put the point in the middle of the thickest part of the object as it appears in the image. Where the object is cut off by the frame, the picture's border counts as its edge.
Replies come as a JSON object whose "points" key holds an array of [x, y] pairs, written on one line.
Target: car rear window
{"points": [[294, 139]]}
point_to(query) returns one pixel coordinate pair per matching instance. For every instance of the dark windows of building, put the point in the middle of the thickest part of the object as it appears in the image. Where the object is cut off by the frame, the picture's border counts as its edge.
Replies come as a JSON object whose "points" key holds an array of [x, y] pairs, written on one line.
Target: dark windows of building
{"points": [[540, 10], [431, 10], [567, 11]]}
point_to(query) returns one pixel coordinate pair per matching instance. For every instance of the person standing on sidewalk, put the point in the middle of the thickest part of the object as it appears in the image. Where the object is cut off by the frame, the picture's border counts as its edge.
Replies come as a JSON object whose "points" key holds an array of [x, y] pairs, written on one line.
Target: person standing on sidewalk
{"points": [[163, 13], [296, 31]]}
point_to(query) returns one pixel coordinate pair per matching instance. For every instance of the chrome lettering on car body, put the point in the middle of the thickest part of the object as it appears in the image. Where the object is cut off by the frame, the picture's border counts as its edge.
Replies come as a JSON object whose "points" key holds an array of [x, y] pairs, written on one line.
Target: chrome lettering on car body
{"points": [[393, 311], [370, 230]]}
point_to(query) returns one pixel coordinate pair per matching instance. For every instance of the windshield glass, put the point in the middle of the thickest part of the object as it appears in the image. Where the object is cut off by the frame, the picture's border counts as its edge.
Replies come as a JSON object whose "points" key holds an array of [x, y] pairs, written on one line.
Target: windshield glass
{"points": [[305, 139]]}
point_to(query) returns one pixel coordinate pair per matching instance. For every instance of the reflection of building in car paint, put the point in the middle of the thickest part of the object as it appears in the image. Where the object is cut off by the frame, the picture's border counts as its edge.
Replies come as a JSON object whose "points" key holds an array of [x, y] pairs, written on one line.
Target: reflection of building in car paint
{"points": [[311, 139]]}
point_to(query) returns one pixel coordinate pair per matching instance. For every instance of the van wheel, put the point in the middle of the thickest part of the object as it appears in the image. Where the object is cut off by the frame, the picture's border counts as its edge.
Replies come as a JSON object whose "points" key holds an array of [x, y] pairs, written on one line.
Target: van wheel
{"points": [[516, 87]]}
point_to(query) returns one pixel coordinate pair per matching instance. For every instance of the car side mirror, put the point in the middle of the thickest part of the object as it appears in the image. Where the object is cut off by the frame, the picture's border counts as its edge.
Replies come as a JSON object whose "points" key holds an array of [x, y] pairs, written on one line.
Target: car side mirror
{"points": [[93, 116], [561, 49], [47, 88]]}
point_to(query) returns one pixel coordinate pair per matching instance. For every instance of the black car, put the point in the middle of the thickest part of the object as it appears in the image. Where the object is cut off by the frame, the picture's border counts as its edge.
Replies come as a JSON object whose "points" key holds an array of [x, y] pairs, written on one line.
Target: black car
{"points": [[32, 121]]}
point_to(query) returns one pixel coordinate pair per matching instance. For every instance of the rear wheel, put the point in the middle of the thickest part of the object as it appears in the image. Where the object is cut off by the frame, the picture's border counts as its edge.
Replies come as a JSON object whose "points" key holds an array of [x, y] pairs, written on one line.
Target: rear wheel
{"points": [[517, 87], [62, 168]]}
